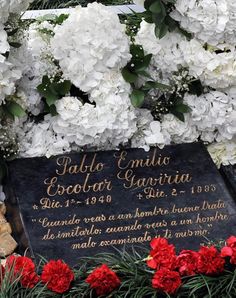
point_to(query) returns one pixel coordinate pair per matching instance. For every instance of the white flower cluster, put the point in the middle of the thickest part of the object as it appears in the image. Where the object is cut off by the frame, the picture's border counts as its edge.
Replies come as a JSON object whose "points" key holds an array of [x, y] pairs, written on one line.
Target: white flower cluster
{"points": [[8, 7], [35, 60], [214, 115], [90, 43], [174, 51], [149, 132], [9, 73], [223, 152], [91, 58], [91, 47], [210, 21]]}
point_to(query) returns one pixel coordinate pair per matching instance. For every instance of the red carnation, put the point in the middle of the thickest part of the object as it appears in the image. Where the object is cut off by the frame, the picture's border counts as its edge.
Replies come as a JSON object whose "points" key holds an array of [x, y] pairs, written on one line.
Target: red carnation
{"points": [[210, 261], [103, 280], [186, 262], [57, 275], [230, 250], [231, 242], [24, 268], [162, 254], [166, 280]]}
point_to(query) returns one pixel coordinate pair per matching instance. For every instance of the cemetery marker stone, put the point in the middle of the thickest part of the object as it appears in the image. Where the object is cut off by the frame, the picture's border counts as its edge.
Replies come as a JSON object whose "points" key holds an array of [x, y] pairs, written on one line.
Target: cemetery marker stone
{"points": [[84, 203]]}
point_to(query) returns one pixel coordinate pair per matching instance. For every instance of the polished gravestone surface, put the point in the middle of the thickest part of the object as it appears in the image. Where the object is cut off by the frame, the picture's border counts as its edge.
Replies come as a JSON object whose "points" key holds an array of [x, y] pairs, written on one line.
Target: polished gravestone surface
{"points": [[80, 204]]}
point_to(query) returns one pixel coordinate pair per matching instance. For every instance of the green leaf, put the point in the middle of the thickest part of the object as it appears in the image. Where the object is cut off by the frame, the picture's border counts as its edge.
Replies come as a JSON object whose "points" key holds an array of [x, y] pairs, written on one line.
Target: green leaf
{"points": [[129, 76], [178, 115], [182, 108], [15, 44], [61, 18], [62, 88], [137, 98], [53, 110], [12, 32], [15, 109], [136, 51], [155, 85], [156, 7], [172, 24], [50, 99], [161, 31], [144, 74], [142, 65], [148, 3]]}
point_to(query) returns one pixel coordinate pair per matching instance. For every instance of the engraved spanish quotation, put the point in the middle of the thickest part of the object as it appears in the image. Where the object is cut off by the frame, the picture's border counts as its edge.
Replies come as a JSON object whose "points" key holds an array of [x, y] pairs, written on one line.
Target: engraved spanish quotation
{"points": [[80, 204]]}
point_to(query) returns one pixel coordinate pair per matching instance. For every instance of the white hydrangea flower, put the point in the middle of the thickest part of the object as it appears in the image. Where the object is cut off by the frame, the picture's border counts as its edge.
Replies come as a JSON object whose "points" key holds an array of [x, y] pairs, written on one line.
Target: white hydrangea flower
{"points": [[4, 46], [12, 6], [167, 57], [206, 19], [89, 44], [223, 153], [35, 60], [180, 132], [148, 132], [105, 126], [8, 77], [40, 139], [214, 70], [213, 114], [112, 83]]}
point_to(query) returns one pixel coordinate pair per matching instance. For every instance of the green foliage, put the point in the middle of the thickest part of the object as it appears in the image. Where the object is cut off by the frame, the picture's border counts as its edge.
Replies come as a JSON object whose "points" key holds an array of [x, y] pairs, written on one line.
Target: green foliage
{"points": [[134, 69], [158, 12], [52, 91], [137, 68], [132, 22], [135, 276], [11, 109]]}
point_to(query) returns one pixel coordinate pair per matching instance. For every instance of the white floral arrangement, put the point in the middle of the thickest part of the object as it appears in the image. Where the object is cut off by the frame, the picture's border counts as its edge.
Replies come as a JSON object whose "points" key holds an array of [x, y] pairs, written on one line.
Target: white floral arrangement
{"points": [[73, 83]]}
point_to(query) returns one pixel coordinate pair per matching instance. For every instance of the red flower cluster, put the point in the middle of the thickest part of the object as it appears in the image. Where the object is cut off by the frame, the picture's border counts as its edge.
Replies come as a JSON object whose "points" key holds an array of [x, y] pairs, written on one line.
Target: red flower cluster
{"points": [[103, 280], [166, 280], [58, 276], [186, 262], [209, 261], [24, 269], [162, 254], [230, 249], [171, 267]]}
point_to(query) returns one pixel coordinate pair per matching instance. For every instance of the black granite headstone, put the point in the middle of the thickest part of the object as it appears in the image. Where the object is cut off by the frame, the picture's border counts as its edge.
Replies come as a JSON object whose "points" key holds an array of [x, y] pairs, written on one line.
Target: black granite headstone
{"points": [[84, 203]]}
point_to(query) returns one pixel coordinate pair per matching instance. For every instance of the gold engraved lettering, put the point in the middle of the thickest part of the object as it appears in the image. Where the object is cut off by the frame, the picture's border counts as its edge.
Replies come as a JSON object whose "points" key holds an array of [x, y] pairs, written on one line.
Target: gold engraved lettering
{"points": [[156, 211], [184, 209], [65, 163], [99, 218], [54, 189], [190, 233], [132, 181], [45, 222], [216, 217], [211, 206], [87, 244], [129, 239], [135, 227], [153, 161]]}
